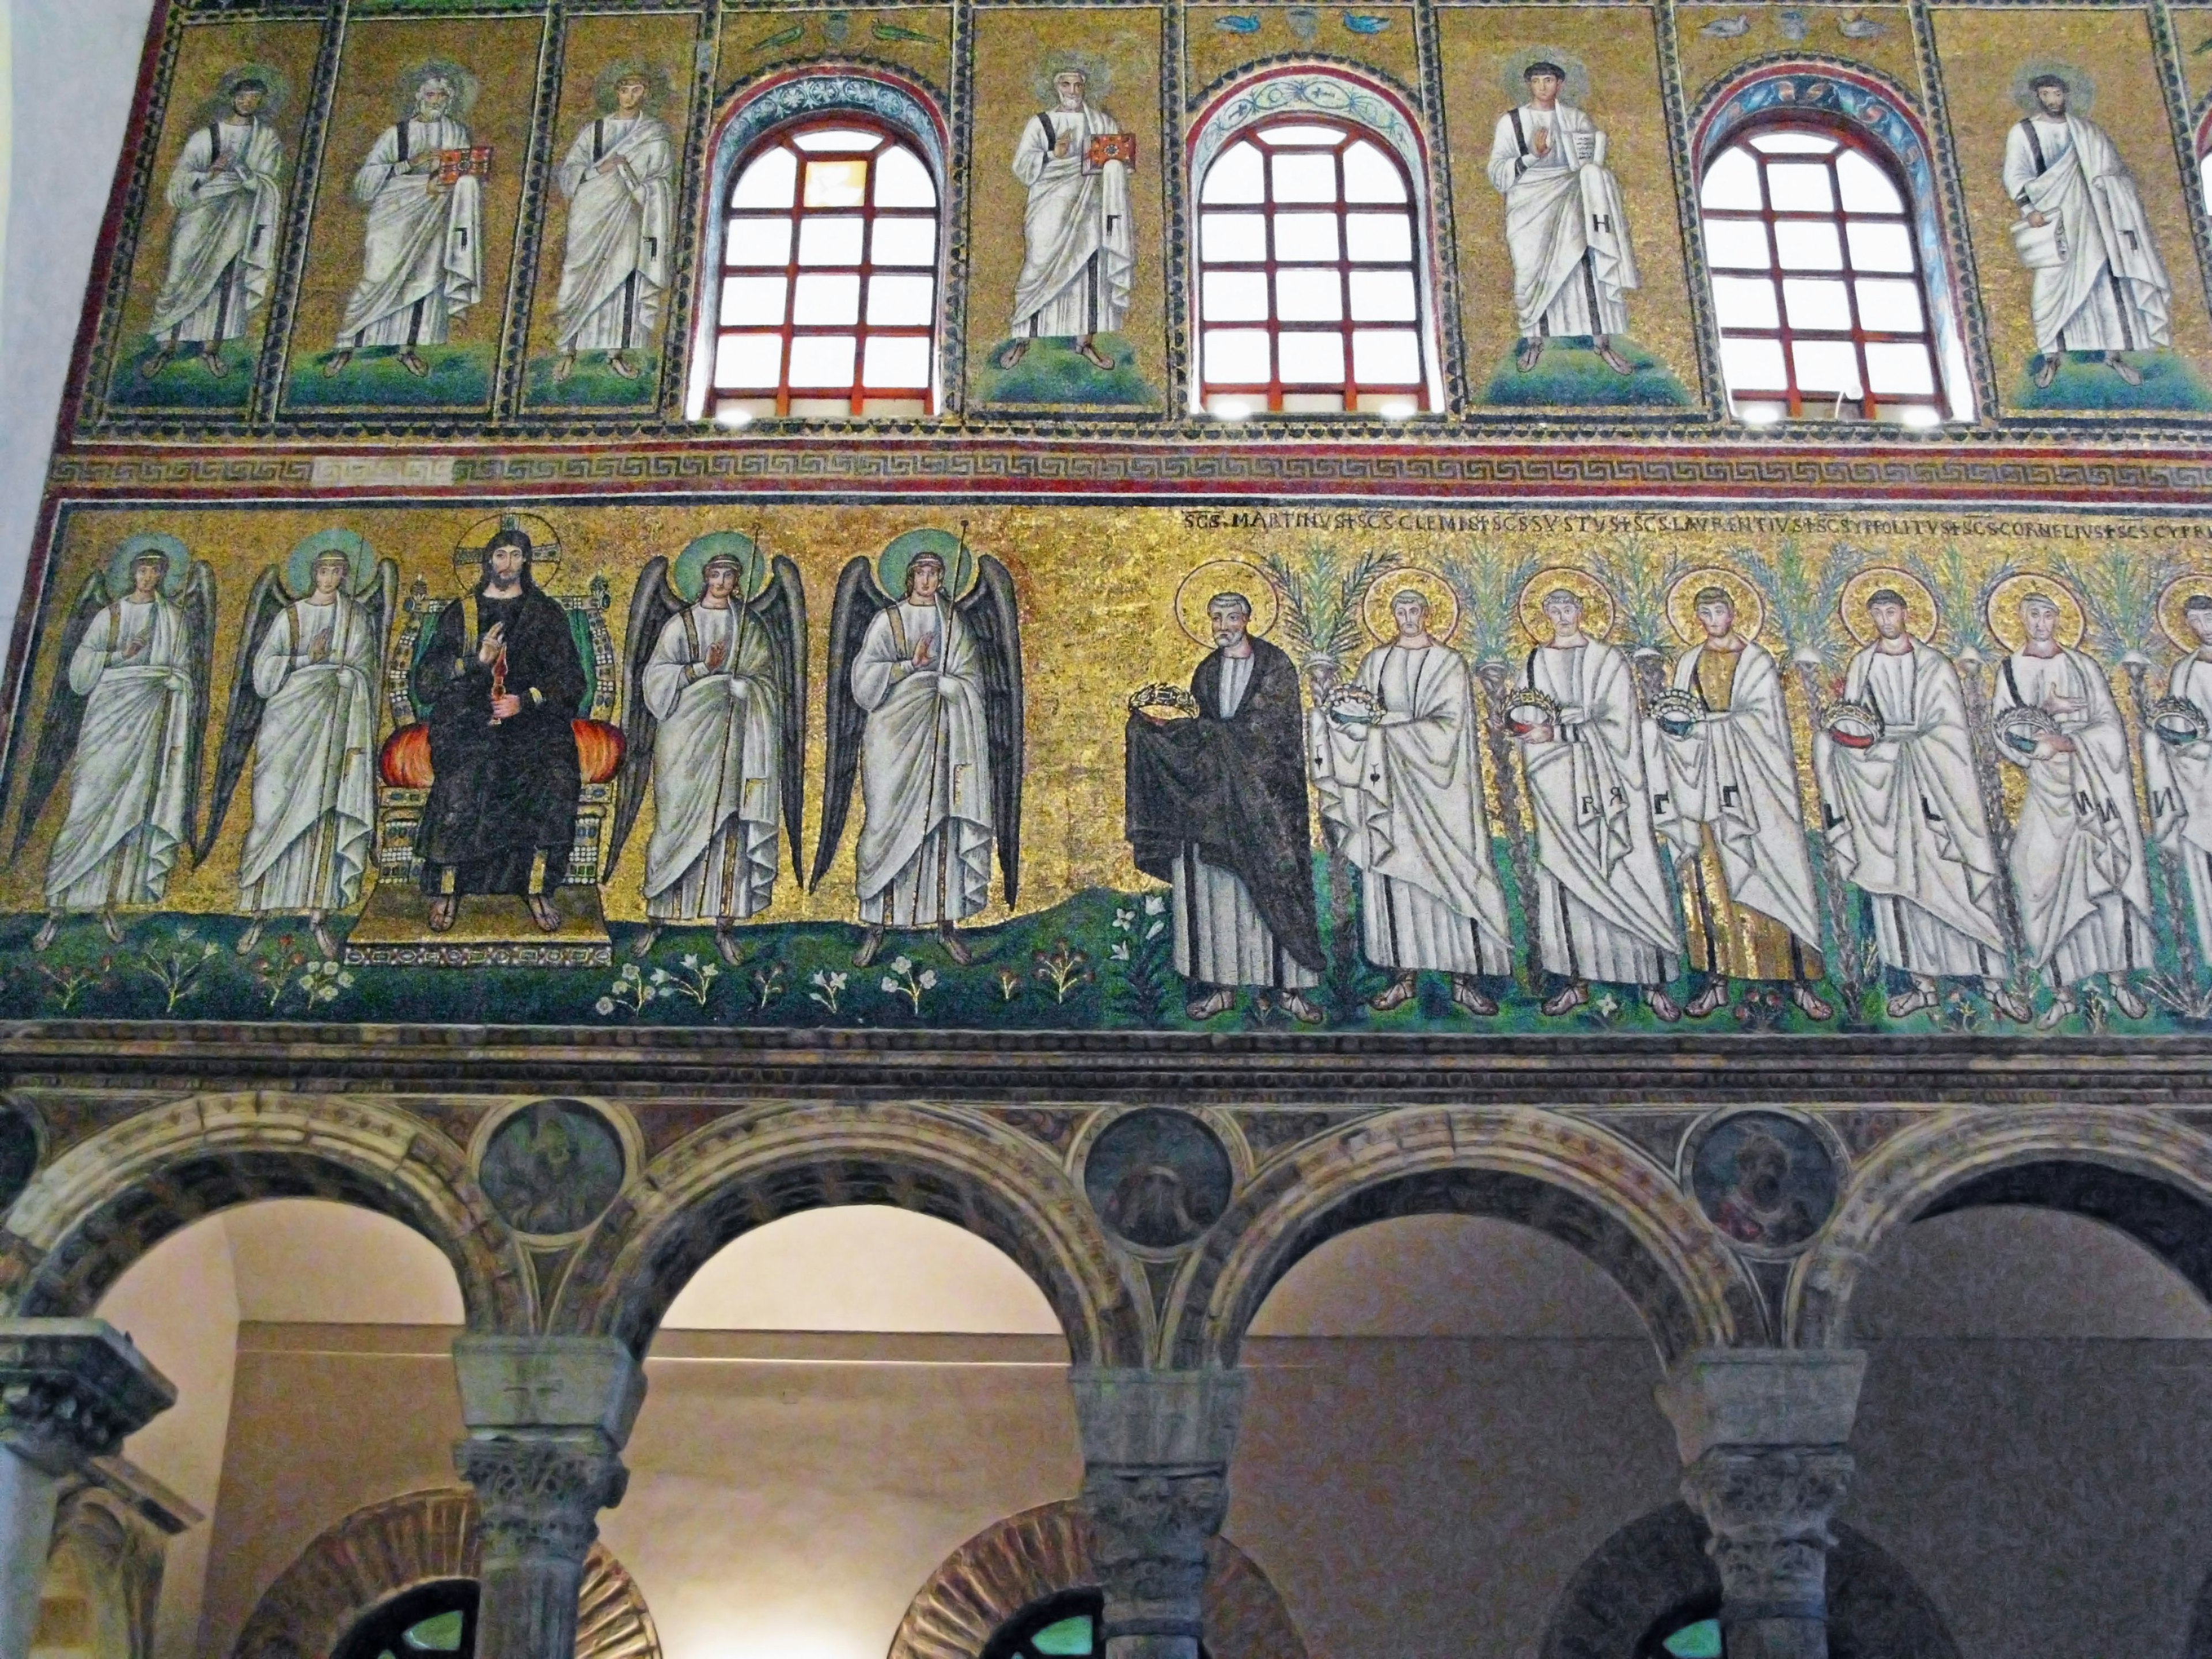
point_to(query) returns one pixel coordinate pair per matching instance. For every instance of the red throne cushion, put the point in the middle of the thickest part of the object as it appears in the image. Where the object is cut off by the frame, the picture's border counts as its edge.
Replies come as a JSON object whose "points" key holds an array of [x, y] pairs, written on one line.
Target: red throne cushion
{"points": [[405, 761]]}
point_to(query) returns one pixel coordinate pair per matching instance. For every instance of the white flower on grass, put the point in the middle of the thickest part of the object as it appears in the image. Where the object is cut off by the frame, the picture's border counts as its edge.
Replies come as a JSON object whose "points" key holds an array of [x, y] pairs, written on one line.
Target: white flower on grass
{"points": [[890, 984], [1124, 920], [928, 979], [1155, 930], [1155, 905], [1121, 951], [604, 1005], [901, 966], [660, 976], [689, 960], [345, 981]]}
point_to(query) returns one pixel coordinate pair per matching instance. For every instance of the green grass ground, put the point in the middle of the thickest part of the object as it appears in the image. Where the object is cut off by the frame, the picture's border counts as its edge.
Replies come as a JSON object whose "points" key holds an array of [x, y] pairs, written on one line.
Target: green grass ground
{"points": [[185, 384], [2086, 382], [460, 377], [1570, 376], [593, 385], [1054, 372]]}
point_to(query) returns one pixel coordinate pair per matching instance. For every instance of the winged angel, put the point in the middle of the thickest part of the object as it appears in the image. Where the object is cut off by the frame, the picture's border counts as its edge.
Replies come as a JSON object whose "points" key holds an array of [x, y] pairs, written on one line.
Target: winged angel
{"points": [[303, 707], [128, 696], [925, 701], [717, 717]]}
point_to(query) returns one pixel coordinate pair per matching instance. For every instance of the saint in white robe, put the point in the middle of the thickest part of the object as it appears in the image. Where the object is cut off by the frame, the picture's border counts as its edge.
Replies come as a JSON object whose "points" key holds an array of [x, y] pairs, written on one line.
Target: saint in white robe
{"points": [[924, 855], [717, 768], [130, 788], [2110, 291], [1567, 225], [313, 783], [222, 248], [422, 259], [1907, 827], [2180, 785], [1404, 792], [614, 270], [1080, 242], [2077, 851], [1601, 907]]}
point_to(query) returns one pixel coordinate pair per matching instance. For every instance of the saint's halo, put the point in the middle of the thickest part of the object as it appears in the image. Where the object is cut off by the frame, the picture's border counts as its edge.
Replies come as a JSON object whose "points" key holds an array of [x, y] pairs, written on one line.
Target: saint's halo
{"points": [[1682, 604], [2003, 611], [1225, 576], [2173, 618], [1921, 615], [1596, 601], [1442, 603]]}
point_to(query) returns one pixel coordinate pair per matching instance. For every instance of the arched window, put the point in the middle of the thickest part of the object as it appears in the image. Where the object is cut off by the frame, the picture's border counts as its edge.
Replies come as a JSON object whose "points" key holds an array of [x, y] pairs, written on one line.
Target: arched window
{"points": [[1310, 295], [1817, 283], [829, 276]]}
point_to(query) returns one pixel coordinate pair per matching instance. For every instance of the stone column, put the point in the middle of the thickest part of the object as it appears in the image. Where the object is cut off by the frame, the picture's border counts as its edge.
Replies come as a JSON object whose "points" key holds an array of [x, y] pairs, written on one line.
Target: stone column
{"points": [[1156, 1448], [547, 1420], [1762, 1433], [70, 1390]]}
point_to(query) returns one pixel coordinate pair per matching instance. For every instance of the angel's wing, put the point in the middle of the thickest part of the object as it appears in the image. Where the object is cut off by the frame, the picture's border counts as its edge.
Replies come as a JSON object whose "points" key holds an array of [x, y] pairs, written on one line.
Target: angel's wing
{"points": [[380, 600], [65, 711], [859, 602], [781, 611], [262, 607], [652, 602], [993, 620], [197, 604]]}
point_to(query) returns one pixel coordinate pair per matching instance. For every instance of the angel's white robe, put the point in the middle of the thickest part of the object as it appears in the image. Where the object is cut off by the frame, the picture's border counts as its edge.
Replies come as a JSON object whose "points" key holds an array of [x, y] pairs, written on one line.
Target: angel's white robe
{"points": [[2180, 785], [717, 768], [222, 248], [1404, 792], [129, 793], [924, 855], [1566, 224], [2112, 292], [2077, 852], [1079, 240], [614, 268], [1908, 828], [422, 260], [314, 789], [1601, 907]]}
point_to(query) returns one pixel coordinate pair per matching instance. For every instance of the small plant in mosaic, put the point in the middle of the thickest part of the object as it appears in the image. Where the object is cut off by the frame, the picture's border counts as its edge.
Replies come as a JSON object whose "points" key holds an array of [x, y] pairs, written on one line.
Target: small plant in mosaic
{"points": [[2185, 999], [631, 992], [1064, 969], [178, 967], [904, 980], [828, 988], [1323, 588], [2119, 591], [1489, 584], [690, 978], [67, 981], [1143, 953], [1010, 984], [768, 980], [1639, 571], [1801, 593]]}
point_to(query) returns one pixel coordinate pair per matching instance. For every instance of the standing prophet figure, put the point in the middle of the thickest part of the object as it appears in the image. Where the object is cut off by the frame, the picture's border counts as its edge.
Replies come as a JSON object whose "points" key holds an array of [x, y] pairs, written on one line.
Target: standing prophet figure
{"points": [[1748, 909], [2098, 282], [2077, 852], [229, 199], [422, 256], [1402, 789], [1217, 809], [1080, 243], [1905, 824], [2180, 776], [1566, 225], [618, 178]]}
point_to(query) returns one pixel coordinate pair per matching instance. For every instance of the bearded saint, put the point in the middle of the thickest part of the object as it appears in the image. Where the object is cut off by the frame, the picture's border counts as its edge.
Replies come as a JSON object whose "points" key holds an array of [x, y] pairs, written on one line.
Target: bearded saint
{"points": [[619, 179], [2179, 778], [222, 248], [1080, 242]]}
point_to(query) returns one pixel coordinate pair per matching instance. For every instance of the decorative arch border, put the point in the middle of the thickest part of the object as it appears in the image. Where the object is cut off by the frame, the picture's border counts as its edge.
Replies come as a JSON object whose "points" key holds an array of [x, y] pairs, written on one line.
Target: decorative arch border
{"points": [[904, 104], [1334, 91], [384, 1549], [754, 1168], [103, 1204], [1858, 99], [1015, 1562], [1916, 1169], [1615, 1205]]}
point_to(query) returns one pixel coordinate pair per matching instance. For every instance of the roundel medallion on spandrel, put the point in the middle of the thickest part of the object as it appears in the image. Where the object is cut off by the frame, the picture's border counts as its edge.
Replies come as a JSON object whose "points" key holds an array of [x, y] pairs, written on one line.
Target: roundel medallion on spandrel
{"points": [[1767, 1180], [1158, 1179], [552, 1168]]}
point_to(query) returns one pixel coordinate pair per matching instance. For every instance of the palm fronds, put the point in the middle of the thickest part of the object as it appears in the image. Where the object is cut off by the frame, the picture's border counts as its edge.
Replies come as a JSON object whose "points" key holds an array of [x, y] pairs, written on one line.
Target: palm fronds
{"points": [[1801, 593], [2120, 589], [1962, 600], [1322, 590], [1641, 571], [1489, 584]]}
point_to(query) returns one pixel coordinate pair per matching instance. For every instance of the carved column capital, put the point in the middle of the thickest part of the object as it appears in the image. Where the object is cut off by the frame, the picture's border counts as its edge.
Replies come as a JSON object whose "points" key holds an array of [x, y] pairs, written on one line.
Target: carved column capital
{"points": [[72, 1389], [538, 1497]]}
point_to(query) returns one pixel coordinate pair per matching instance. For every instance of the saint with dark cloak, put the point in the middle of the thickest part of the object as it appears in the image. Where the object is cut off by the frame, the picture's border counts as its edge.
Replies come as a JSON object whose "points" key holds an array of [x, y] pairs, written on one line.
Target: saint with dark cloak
{"points": [[1217, 809], [500, 684]]}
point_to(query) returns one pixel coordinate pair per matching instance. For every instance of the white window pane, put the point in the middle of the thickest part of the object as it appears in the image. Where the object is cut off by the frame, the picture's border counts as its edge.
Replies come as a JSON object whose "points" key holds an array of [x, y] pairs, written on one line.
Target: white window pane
{"points": [[1305, 176], [1235, 177], [1386, 356], [836, 184], [1815, 304], [1880, 247], [1233, 296], [1732, 182], [1808, 245], [1826, 365], [1301, 135], [1735, 244], [835, 138], [1238, 236], [1899, 367], [826, 300], [744, 361], [902, 181], [755, 300], [768, 182], [1745, 302], [1370, 176], [1311, 359], [1383, 296], [1753, 365], [1793, 144], [829, 241], [1305, 235], [1890, 307], [901, 301], [905, 242], [1866, 188], [1799, 187], [1236, 356], [821, 359], [758, 242], [896, 362], [1309, 296], [1379, 237]]}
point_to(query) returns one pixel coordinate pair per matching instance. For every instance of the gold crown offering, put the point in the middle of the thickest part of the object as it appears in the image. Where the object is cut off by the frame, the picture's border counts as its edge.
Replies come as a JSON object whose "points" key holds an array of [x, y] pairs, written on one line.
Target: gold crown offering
{"points": [[1353, 702], [2176, 722], [1160, 697], [1528, 709], [1677, 712], [2020, 727], [1854, 724]]}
